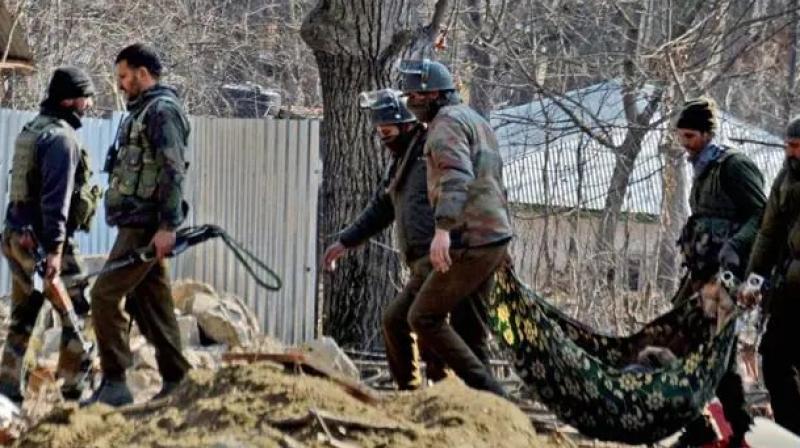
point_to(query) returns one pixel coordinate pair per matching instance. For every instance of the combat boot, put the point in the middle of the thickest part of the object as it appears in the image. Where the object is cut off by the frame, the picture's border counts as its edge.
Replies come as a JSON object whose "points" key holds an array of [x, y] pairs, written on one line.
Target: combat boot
{"points": [[167, 387], [112, 393], [11, 392]]}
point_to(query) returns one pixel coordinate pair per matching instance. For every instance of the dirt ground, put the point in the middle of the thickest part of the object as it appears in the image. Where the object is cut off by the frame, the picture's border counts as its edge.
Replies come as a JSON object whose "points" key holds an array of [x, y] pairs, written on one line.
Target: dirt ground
{"points": [[259, 405]]}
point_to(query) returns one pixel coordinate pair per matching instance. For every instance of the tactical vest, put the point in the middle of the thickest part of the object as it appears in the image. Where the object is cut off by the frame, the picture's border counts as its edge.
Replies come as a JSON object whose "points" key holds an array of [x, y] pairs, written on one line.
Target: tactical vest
{"points": [[713, 220], [708, 196], [85, 196], [136, 168]]}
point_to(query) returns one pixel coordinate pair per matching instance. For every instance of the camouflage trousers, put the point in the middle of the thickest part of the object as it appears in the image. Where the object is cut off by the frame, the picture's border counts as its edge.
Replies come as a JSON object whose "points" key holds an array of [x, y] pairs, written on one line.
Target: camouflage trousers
{"points": [[26, 302]]}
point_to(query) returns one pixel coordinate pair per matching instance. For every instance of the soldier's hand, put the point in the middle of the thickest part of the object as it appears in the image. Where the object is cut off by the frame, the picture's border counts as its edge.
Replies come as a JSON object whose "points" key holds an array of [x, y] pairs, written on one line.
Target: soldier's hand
{"points": [[333, 253], [750, 291], [440, 251], [163, 242], [53, 267]]}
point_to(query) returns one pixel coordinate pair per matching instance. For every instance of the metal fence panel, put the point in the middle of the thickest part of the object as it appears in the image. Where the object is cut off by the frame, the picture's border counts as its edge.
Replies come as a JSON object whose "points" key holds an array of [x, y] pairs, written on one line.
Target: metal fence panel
{"points": [[258, 179]]}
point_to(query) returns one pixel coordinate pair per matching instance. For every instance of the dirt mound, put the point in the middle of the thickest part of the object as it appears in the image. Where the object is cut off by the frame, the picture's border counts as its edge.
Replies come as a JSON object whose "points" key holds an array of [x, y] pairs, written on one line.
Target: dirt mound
{"points": [[258, 405]]}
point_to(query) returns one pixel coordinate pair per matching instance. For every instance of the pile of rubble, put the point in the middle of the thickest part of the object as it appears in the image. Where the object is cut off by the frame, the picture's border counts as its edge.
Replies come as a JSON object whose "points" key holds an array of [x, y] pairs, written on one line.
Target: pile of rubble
{"points": [[261, 405], [247, 390]]}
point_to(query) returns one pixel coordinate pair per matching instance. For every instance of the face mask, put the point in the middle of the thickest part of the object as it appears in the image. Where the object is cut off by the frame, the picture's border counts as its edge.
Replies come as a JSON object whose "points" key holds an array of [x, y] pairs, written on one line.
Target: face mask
{"points": [[399, 144], [424, 112]]}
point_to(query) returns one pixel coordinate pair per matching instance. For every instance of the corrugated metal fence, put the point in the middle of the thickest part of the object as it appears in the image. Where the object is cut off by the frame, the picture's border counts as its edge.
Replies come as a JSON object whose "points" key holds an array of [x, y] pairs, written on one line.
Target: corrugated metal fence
{"points": [[258, 179]]}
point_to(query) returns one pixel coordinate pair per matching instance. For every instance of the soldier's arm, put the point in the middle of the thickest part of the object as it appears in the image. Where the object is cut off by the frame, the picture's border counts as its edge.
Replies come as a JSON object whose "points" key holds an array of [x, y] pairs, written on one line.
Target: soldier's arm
{"points": [[168, 135], [58, 159], [378, 215], [771, 235], [449, 153], [745, 185]]}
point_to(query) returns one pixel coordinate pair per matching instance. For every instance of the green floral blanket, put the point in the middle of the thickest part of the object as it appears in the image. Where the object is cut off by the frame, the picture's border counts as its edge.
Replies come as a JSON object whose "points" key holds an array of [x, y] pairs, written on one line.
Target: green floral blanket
{"points": [[580, 375]]}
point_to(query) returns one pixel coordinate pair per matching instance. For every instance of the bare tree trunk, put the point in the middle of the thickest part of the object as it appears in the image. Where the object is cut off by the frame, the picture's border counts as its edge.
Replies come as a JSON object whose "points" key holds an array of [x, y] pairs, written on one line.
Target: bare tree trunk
{"points": [[354, 44], [638, 124], [791, 74], [618, 187], [673, 214]]}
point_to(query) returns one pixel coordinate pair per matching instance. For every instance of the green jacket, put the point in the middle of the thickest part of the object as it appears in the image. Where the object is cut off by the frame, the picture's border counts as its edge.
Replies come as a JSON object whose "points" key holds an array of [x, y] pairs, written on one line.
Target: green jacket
{"points": [[148, 172], [727, 200], [778, 239], [776, 255]]}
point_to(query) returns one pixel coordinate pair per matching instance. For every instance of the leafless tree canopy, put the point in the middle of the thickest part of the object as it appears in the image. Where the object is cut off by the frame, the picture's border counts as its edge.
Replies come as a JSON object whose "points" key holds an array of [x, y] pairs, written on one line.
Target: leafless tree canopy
{"points": [[506, 53], [205, 44]]}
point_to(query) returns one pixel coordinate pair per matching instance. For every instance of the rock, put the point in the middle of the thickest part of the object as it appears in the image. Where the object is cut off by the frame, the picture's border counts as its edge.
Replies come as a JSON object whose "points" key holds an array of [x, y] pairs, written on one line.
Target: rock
{"points": [[144, 354], [200, 303], [327, 351], [205, 357], [190, 333], [184, 289], [143, 384], [227, 321], [263, 344]]}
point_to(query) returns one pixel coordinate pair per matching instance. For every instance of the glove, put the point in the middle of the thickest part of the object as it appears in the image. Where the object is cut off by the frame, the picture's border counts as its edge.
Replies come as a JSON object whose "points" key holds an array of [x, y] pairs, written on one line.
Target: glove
{"points": [[727, 257]]}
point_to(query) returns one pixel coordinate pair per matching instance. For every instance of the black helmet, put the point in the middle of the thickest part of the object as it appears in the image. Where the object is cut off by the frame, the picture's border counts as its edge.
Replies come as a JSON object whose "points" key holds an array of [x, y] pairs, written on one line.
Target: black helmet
{"points": [[386, 107], [425, 76]]}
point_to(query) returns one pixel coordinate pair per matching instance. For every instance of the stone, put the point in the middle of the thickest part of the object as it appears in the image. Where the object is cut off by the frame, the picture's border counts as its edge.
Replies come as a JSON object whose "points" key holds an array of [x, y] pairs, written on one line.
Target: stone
{"points": [[185, 289], [327, 351], [190, 332], [227, 321], [144, 354]]}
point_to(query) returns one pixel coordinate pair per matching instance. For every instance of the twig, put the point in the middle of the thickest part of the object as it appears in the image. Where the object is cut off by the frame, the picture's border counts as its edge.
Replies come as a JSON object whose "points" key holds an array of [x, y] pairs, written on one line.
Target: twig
{"points": [[333, 441], [288, 441]]}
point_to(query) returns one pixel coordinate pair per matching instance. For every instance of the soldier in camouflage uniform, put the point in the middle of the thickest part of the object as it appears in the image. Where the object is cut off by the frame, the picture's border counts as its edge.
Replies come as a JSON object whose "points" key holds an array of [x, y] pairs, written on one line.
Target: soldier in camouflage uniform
{"points": [[402, 198], [727, 200], [49, 199], [775, 260], [473, 224], [145, 201]]}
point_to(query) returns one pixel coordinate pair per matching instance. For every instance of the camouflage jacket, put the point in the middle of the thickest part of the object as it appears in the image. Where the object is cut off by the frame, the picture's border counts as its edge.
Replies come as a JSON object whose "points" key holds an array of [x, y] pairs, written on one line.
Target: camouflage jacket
{"points": [[727, 200], [401, 198], [166, 129], [465, 178]]}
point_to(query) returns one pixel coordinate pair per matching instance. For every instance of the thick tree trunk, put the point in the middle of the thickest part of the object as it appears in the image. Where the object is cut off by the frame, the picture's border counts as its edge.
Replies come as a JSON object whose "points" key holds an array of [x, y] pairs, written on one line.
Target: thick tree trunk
{"points": [[352, 165], [355, 44], [480, 82]]}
